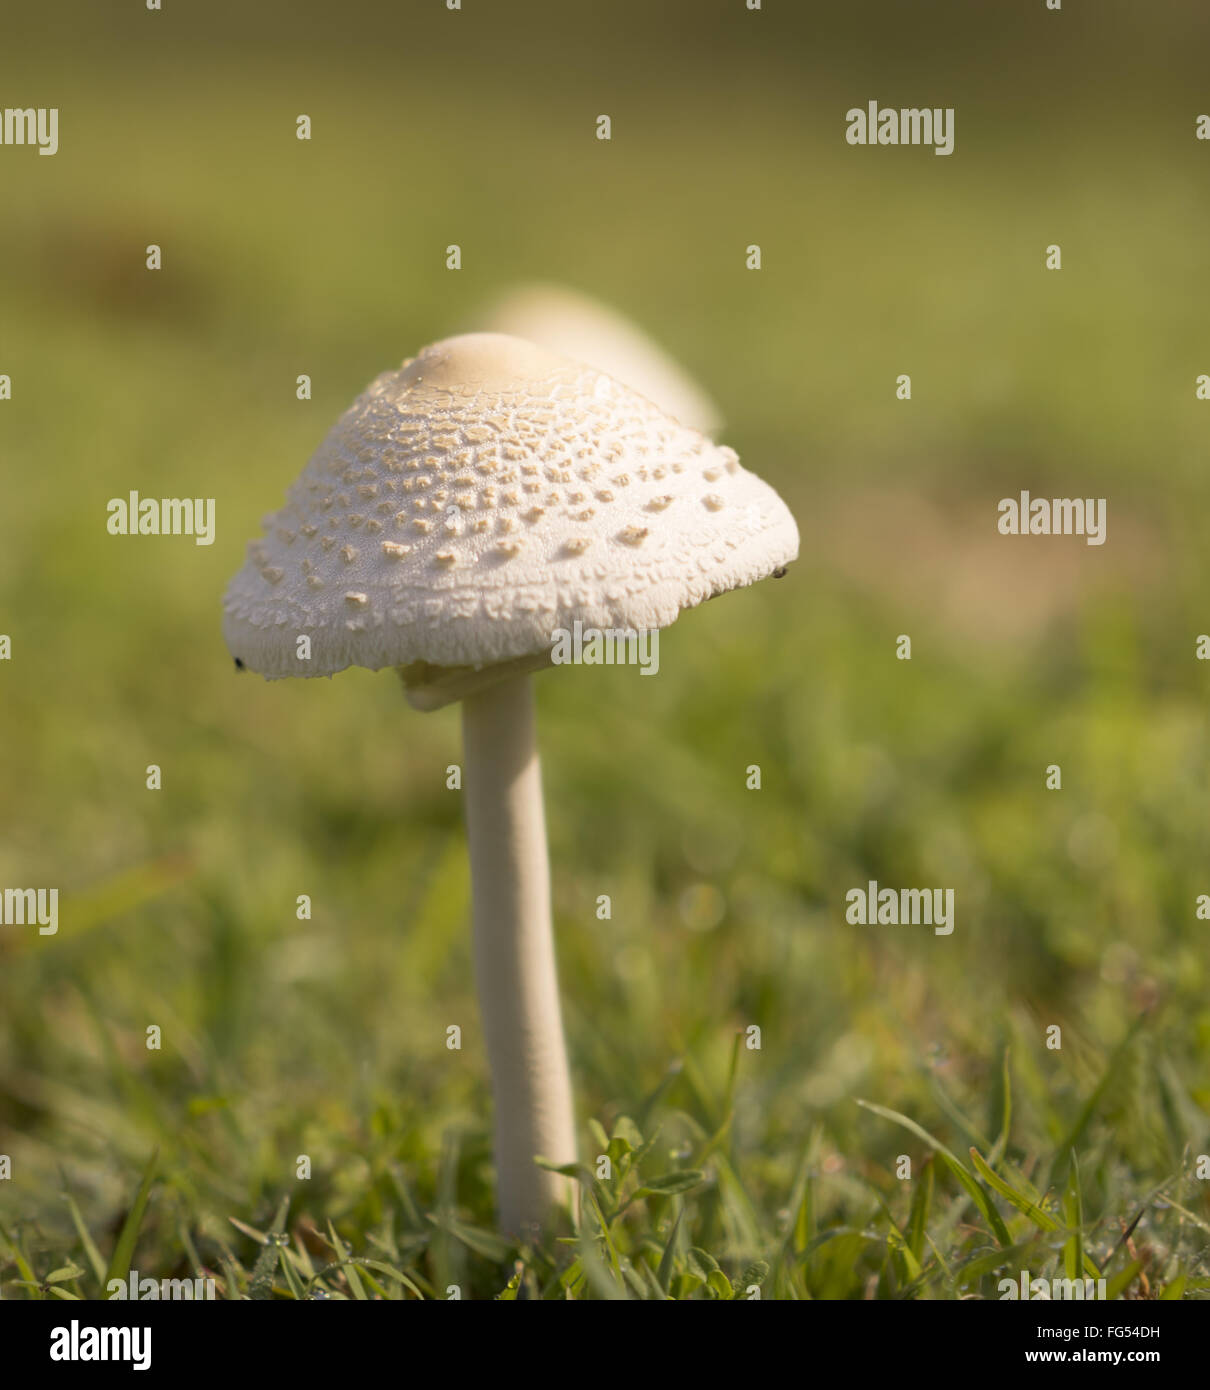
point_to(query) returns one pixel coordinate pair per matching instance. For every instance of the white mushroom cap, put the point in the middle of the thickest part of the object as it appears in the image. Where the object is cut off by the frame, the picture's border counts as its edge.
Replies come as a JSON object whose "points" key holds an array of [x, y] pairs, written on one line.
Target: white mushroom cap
{"points": [[575, 326], [484, 495]]}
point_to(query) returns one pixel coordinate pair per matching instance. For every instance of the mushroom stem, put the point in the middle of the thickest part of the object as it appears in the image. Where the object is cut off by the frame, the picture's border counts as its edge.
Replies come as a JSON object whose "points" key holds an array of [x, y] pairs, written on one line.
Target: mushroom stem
{"points": [[514, 953]]}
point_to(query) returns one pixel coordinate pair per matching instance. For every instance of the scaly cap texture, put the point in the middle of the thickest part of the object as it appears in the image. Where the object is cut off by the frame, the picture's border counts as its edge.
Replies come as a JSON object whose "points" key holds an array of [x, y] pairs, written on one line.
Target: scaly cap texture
{"points": [[482, 496]]}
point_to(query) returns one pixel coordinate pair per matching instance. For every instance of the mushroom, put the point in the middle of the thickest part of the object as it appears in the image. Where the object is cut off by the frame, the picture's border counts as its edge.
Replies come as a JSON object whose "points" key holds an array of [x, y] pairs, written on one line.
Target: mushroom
{"points": [[461, 513], [573, 325]]}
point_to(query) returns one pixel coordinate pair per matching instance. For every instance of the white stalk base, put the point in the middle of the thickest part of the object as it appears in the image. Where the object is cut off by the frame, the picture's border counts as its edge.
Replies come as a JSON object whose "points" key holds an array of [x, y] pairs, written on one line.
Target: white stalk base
{"points": [[514, 954]]}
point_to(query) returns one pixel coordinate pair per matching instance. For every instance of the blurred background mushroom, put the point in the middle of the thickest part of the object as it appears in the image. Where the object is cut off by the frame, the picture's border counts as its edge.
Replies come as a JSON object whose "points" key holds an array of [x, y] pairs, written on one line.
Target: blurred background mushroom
{"points": [[575, 325]]}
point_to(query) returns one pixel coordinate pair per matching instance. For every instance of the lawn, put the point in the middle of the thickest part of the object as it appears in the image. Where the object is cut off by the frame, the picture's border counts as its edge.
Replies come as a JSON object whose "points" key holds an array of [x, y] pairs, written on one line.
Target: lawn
{"points": [[907, 1127]]}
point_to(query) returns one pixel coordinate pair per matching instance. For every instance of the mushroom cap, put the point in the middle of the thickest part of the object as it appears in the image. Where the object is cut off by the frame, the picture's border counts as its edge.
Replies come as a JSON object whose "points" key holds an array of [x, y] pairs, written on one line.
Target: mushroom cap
{"points": [[483, 496], [573, 325]]}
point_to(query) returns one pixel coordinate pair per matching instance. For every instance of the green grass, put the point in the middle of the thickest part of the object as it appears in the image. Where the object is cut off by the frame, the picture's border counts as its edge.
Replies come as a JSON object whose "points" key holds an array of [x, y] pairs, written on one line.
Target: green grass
{"points": [[666, 1214], [325, 1037]]}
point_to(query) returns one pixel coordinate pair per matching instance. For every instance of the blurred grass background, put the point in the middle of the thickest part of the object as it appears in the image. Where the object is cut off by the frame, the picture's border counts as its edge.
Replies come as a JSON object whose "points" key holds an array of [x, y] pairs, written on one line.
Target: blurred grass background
{"points": [[327, 1037]]}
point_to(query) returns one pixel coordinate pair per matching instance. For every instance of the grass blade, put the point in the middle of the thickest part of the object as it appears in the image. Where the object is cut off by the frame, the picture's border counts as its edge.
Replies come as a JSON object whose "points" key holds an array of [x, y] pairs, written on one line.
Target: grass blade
{"points": [[91, 1253], [918, 1217], [123, 1251], [1072, 1141], [953, 1163], [664, 1273]]}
